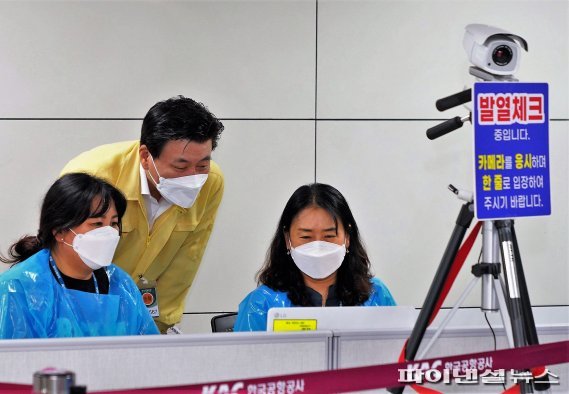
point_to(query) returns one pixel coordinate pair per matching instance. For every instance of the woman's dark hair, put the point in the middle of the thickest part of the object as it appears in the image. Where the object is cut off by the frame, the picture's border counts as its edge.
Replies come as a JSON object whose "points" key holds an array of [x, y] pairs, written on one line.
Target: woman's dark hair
{"points": [[178, 118], [280, 273], [67, 204]]}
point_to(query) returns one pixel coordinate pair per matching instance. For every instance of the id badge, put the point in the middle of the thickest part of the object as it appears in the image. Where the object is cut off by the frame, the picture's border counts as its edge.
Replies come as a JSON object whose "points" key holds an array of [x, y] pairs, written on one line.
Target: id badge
{"points": [[149, 295]]}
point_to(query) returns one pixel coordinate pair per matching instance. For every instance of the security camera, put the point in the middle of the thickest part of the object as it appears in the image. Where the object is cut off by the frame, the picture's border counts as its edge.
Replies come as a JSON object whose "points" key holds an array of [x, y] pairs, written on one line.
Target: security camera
{"points": [[492, 49]]}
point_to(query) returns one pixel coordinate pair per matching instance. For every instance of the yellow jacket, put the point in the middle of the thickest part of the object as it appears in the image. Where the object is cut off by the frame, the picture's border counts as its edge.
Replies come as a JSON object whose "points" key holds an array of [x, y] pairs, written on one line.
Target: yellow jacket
{"points": [[172, 252]]}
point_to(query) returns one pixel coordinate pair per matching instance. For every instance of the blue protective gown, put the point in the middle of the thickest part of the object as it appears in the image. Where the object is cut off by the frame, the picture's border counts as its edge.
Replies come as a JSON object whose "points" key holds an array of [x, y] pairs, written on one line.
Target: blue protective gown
{"points": [[33, 304], [252, 314]]}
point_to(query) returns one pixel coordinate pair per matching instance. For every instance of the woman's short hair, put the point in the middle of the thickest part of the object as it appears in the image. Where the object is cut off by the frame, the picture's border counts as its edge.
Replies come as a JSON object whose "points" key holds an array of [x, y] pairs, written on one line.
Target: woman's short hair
{"points": [[279, 272]]}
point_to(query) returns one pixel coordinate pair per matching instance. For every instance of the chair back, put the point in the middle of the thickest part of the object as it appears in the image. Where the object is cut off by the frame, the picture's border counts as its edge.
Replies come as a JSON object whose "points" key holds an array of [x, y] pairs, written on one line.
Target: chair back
{"points": [[224, 322]]}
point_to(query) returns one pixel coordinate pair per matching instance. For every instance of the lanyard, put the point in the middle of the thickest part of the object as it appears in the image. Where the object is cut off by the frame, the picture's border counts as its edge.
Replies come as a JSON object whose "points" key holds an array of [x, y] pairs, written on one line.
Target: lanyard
{"points": [[60, 279]]}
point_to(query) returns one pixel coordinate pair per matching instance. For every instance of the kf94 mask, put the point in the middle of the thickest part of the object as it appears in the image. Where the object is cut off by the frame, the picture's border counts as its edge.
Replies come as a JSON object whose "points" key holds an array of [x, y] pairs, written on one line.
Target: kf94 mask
{"points": [[181, 191], [318, 259], [96, 247]]}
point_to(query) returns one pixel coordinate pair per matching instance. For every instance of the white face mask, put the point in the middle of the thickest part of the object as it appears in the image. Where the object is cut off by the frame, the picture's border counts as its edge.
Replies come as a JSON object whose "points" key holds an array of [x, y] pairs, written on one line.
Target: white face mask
{"points": [[181, 191], [318, 259], [96, 247]]}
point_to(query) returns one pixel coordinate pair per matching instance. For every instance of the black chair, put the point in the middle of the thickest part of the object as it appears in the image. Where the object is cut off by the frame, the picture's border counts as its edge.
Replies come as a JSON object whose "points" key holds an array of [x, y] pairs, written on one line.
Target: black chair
{"points": [[224, 322]]}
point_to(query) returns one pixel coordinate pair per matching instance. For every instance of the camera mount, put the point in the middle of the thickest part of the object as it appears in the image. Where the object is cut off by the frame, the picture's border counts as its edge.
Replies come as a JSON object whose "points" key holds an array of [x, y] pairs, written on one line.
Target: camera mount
{"points": [[495, 54]]}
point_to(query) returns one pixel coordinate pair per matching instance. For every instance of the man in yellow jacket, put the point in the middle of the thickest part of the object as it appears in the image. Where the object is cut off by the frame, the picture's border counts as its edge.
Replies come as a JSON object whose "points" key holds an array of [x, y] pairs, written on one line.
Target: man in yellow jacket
{"points": [[173, 189]]}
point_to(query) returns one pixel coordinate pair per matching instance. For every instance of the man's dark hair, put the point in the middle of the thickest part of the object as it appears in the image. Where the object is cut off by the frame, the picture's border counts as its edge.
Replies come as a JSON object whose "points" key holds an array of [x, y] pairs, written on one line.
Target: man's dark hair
{"points": [[353, 280], [178, 118], [67, 204]]}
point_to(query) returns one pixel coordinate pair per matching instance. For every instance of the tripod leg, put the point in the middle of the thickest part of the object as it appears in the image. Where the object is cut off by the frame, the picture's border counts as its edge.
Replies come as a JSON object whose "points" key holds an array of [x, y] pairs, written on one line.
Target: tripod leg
{"points": [[529, 322], [513, 289], [448, 318]]}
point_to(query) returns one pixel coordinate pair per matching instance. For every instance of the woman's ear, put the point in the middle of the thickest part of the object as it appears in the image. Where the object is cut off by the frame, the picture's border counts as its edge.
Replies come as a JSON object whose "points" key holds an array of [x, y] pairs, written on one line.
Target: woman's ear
{"points": [[287, 240], [59, 235]]}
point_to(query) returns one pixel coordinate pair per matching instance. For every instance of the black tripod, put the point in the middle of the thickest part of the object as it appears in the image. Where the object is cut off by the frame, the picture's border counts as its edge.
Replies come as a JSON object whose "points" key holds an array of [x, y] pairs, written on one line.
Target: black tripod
{"points": [[517, 297], [498, 235]]}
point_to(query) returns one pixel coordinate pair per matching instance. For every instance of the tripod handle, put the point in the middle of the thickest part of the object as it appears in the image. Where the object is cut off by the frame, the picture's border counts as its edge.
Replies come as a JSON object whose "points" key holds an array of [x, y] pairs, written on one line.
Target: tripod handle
{"points": [[454, 99], [446, 127]]}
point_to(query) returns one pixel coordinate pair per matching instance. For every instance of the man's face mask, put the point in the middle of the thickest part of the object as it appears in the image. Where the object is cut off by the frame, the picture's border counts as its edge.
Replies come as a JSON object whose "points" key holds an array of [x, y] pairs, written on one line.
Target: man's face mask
{"points": [[181, 191], [318, 259], [96, 247]]}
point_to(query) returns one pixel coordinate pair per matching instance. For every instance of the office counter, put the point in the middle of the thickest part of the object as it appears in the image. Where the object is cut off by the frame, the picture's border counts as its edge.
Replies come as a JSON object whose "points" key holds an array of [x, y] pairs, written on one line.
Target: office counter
{"points": [[105, 363]]}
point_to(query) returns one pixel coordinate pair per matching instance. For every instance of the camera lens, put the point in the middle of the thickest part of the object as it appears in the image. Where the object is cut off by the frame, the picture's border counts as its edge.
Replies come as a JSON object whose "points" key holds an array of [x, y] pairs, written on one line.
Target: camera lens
{"points": [[502, 55]]}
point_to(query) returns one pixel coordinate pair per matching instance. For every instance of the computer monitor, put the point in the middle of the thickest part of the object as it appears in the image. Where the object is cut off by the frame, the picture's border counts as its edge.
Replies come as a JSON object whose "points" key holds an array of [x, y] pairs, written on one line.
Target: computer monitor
{"points": [[340, 318]]}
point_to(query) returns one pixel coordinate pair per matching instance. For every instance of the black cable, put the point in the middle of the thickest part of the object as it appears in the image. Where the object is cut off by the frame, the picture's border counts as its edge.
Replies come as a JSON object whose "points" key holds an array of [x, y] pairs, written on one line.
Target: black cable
{"points": [[491, 329], [494, 336]]}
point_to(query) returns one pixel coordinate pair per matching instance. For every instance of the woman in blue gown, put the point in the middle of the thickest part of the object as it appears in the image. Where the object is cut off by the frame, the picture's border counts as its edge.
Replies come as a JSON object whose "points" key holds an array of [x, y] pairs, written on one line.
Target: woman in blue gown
{"points": [[62, 282], [316, 258]]}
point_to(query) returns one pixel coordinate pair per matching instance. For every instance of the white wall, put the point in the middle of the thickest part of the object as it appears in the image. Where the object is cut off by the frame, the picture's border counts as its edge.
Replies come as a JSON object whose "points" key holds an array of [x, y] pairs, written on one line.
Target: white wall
{"points": [[76, 75]]}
